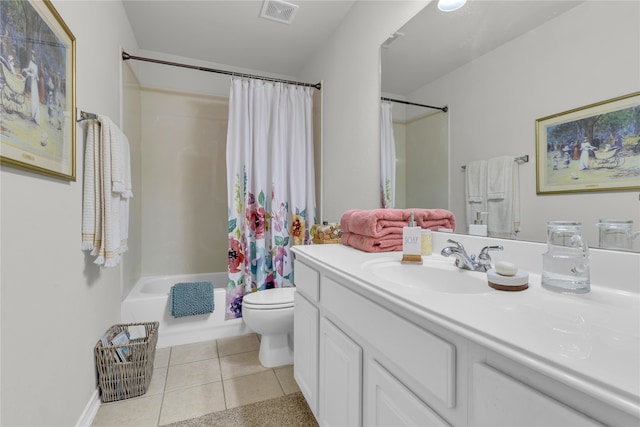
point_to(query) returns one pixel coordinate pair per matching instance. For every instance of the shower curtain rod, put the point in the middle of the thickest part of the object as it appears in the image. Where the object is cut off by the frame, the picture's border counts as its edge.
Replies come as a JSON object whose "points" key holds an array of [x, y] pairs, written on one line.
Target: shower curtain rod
{"points": [[443, 109], [126, 56]]}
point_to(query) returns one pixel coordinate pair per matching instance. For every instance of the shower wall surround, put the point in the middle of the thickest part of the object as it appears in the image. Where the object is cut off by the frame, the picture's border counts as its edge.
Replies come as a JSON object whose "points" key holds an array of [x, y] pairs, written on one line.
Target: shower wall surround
{"points": [[184, 183]]}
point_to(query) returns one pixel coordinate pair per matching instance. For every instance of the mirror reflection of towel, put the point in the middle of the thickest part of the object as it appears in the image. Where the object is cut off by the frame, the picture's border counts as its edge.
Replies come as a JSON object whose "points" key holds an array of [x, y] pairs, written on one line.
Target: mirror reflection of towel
{"points": [[503, 197], [476, 188], [498, 177]]}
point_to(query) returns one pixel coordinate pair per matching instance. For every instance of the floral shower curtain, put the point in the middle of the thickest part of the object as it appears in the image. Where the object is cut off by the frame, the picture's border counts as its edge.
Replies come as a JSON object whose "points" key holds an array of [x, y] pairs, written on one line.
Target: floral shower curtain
{"points": [[387, 157], [270, 184]]}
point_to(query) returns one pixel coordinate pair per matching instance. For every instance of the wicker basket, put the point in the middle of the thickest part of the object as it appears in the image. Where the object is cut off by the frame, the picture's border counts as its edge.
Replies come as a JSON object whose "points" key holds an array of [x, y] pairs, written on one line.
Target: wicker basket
{"points": [[123, 380]]}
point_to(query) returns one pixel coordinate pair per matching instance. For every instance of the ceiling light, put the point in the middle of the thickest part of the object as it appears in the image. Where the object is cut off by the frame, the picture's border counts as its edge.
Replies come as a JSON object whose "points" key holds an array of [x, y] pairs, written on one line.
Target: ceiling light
{"points": [[450, 5]]}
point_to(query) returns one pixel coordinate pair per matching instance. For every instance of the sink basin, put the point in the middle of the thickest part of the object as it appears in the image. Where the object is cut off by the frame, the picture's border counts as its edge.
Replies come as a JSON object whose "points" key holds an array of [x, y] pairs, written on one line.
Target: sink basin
{"points": [[433, 275]]}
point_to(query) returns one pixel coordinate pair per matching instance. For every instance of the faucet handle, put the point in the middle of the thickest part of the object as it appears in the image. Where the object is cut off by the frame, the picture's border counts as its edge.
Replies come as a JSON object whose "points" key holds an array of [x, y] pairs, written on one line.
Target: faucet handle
{"points": [[484, 253], [484, 259], [458, 244]]}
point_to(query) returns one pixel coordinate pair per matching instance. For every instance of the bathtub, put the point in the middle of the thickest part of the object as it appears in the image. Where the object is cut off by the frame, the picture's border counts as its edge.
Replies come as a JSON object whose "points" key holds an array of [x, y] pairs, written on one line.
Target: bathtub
{"points": [[149, 301]]}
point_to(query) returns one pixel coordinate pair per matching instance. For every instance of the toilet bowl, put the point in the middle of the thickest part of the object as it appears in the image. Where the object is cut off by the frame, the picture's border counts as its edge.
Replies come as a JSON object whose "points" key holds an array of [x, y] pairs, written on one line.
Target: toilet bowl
{"points": [[270, 314]]}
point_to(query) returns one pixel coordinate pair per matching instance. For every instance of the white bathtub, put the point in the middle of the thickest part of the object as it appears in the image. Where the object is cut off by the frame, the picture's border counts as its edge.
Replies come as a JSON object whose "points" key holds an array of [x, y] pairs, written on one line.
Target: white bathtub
{"points": [[149, 301]]}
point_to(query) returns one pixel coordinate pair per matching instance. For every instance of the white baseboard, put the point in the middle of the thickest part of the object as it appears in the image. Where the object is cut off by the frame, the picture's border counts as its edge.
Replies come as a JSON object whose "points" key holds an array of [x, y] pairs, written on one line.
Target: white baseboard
{"points": [[90, 411]]}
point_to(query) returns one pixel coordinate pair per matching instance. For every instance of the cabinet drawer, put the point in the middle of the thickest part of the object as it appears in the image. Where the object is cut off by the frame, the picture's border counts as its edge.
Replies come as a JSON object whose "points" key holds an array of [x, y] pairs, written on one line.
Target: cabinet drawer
{"points": [[499, 400], [307, 281], [424, 362], [390, 403]]}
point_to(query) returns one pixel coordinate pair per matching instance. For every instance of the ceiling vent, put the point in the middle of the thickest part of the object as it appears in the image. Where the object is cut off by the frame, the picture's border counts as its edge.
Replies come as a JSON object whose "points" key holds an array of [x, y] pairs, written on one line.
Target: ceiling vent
{"points": [[278, 10]]}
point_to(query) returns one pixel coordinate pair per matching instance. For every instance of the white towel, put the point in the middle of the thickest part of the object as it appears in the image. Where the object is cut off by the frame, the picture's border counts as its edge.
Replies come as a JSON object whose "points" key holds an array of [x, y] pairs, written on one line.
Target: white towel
{"points": [[126, 194], [91, 193], [503, 197], [498, 177], [106, 192], [476, 188]]}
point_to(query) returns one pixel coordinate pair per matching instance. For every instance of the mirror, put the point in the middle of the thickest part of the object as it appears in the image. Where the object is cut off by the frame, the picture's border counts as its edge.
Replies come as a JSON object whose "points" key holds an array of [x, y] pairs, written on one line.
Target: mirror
{"points": [[499, 66]]}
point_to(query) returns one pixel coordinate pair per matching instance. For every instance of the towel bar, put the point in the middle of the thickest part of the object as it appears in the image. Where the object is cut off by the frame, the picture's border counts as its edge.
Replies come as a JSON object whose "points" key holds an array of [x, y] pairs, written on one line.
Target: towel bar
{"points": [[83, 115], [521, 159]]}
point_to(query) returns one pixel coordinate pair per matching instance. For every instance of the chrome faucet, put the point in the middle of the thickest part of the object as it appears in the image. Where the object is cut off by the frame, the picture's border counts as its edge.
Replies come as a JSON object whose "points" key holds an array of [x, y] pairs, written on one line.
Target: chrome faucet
{"points": [[480, 263]]}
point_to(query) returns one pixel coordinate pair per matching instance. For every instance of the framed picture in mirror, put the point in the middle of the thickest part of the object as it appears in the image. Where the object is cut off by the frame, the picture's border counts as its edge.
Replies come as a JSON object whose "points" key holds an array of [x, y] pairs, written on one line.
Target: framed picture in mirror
{"points": [[37, 89], [591, 148]]}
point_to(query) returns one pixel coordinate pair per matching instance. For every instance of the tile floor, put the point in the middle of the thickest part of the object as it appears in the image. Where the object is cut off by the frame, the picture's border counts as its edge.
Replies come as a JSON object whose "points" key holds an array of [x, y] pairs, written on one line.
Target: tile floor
{"points": [[196, 379]]}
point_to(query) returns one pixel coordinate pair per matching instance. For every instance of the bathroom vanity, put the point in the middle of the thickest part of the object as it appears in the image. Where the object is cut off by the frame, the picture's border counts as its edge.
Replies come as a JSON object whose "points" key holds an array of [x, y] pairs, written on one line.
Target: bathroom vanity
{"points": [[381, 343]]}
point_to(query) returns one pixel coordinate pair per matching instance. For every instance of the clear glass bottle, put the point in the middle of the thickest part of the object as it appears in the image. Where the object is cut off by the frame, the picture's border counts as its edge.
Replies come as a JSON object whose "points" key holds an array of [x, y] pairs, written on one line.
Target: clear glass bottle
{"points": [[565, 265], [616, 234], [426, 240]]}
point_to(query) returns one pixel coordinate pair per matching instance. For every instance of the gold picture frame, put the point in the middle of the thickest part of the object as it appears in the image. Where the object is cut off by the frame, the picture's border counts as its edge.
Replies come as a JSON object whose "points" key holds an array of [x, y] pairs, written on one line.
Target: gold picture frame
{"points": [[592, 148], [37, 89]]}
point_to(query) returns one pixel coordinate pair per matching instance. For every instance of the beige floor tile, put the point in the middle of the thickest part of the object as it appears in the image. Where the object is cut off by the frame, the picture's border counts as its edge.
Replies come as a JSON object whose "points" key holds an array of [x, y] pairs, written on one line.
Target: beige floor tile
{"points": [[192, 402], [193, 352], [241, 344], [251, 388], [285, 376], [237, 365], [162, 357], [158, 380], [191, 374], [139, 412]]}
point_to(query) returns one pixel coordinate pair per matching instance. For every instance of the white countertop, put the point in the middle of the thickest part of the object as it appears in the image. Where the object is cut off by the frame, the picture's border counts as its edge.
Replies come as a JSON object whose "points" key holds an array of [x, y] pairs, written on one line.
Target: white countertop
{"points": [[590, 341]]}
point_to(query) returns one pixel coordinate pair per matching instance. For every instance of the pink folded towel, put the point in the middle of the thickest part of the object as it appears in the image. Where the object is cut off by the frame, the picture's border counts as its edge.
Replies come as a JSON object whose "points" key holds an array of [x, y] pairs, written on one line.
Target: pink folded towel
{"points": [[382, 222], [388, 243]]}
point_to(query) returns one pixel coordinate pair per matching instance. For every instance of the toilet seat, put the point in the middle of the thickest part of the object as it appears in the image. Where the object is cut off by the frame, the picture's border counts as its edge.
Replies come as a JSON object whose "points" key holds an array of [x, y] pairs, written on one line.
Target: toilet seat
{"points": [[270, 299]]}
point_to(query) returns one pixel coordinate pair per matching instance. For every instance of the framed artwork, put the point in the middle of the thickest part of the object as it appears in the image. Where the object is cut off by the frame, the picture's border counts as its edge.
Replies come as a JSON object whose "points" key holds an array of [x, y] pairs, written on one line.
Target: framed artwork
{"points": [[37, 89], [592, 148]]}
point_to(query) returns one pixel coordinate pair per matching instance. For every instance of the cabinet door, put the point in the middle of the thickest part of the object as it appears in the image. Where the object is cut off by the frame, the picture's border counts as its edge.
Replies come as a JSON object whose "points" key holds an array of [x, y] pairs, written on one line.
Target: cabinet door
{"points": [[500, 400], [305, 356], [340, 378], [390, 403]]}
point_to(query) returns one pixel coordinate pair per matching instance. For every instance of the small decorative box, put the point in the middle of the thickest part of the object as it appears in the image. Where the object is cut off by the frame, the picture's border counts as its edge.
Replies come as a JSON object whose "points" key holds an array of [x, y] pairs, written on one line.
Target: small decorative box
{"points": [[326, 233]]}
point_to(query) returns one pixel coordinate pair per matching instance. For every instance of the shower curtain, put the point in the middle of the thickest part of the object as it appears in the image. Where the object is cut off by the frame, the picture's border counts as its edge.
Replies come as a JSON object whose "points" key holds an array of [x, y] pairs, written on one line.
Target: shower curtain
{"points": [[270, 184], [387, 157]]}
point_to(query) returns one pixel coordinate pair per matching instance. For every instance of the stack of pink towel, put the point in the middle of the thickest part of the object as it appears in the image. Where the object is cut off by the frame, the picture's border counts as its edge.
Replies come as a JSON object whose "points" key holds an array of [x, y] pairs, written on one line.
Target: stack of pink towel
{"points": [[380, 230]]}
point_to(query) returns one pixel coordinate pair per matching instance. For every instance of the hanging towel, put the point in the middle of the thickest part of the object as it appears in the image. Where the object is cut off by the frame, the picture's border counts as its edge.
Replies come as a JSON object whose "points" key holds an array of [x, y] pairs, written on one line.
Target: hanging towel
{"points": [[188, 299], [126, 191], [503, 197], [382, 222], [91, 192], [105, 206], [499, 177], [475, 188]]}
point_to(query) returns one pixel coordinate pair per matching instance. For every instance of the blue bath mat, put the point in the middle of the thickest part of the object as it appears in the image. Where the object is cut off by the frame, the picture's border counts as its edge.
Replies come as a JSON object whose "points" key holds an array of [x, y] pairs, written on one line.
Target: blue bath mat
{"points": [[188, 299]]}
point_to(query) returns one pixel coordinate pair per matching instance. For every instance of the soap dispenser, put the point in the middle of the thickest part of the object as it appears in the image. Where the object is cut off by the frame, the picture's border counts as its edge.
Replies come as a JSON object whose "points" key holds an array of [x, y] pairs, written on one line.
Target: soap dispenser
{"points": [[478, 228], [411, 243]]}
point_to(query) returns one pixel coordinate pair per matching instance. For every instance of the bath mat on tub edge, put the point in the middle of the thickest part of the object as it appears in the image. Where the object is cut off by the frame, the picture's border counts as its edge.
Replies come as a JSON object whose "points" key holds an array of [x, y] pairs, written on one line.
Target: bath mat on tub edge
{"points": [[189, 299]]}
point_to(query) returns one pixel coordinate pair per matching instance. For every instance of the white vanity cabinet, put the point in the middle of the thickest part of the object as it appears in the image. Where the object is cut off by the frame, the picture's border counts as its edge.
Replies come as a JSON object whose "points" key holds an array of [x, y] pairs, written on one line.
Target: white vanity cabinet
{"points": [[372, 367], [364, 357]]}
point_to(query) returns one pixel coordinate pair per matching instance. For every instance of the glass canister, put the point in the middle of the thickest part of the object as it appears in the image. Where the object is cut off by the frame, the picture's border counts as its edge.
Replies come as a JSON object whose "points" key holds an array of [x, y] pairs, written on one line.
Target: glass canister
{"points": [[565, 265], [616, 234]]}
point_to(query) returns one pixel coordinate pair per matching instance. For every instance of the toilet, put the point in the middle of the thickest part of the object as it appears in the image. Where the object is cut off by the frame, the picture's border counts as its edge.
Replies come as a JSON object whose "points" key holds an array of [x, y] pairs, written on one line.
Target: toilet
{"points": [[270, 314]]}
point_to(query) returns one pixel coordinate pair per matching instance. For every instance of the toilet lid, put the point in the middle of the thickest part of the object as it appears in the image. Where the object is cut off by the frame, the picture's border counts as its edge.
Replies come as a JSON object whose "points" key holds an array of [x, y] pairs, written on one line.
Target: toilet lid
{"points": [[271, 298]]}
